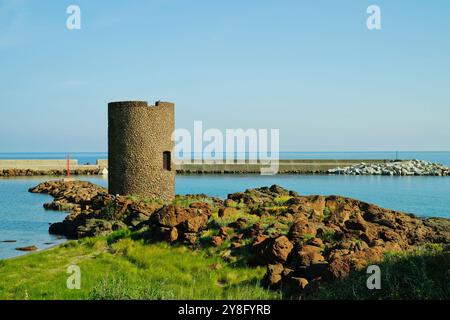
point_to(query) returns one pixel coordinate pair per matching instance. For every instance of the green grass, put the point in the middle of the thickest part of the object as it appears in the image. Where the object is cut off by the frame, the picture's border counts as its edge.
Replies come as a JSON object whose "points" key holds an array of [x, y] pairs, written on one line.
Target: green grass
{"points": [[128, 269], [281, 201], [326, 214], [122, 266]]}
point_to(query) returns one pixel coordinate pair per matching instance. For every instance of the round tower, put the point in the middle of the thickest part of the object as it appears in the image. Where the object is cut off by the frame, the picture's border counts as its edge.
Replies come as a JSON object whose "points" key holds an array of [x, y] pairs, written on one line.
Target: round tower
{"points": [[139, 149]]}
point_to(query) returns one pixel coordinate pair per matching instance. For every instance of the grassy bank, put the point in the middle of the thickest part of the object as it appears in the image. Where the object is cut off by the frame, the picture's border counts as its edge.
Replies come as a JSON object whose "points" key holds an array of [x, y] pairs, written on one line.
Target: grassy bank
{"points": [[128, 269]]}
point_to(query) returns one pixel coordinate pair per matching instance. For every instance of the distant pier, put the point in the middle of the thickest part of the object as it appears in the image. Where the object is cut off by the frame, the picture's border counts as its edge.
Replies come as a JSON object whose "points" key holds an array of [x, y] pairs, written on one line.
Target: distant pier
{"points": [[291, 166]]}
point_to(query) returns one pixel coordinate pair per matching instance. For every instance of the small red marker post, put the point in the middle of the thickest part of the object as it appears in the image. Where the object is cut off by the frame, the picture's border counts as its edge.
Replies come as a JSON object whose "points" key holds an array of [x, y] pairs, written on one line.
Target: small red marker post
{"points": [[68, 165]]}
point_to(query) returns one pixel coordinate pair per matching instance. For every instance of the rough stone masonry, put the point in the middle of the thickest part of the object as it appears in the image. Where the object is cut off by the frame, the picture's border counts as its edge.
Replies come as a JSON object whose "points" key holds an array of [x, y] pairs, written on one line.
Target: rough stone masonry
{"points": [[139, 149]]}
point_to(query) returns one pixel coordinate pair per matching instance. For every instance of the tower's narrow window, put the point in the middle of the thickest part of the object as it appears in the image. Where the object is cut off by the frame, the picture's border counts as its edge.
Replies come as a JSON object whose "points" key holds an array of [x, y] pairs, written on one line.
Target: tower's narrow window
{"points": [[166, 161]]}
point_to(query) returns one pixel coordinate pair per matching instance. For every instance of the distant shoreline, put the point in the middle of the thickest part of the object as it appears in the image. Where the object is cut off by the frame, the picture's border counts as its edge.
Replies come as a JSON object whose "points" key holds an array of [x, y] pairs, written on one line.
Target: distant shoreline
{"points": [[58, 167]]}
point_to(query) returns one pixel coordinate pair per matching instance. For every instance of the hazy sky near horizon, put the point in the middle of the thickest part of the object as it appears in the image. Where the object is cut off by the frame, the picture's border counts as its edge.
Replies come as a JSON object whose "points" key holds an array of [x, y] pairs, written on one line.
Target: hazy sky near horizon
{"points": [[310, 68]]}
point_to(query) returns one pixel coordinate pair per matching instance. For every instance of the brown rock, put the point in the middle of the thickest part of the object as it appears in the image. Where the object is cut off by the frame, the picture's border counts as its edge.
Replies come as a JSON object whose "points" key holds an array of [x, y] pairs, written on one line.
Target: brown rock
{"points": [[300, 229], [303, 258], [260, 239], [388, 235], [316, 242], [190, 238], [273, 276], [368, 237], [29, 248], [287, 272], [239, 224], [272, 280], [280, 248], [226, 212], [359, 260], [172, 216], [275, 268], [272, 250], [253, 231], [173, 235], [236, 245], [339, 268], [216, 241], [194, 224], [224, 232], [298, 283], [356, 223], [203, 206], [310, 249], [230, 203]]}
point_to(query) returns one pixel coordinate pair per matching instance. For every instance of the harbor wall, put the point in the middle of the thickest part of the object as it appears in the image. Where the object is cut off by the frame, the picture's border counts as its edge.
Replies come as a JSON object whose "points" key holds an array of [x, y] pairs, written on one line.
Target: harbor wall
{"points": [[187, 167]]}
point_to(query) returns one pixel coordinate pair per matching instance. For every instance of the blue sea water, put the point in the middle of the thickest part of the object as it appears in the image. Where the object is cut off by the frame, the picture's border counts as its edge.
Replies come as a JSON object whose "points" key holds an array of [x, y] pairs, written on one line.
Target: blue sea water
{"points": [[23, 218]]}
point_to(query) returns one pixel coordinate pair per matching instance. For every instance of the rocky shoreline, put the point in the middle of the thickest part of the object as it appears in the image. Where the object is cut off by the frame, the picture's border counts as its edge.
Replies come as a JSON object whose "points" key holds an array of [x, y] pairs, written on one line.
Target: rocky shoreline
{"points": [[395, 168], [302, 240], [30, 173]]}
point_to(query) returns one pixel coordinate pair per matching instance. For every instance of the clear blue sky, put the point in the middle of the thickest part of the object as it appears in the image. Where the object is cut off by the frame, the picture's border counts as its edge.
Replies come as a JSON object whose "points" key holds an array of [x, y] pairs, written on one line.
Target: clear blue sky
{"points": [[310, 68]]}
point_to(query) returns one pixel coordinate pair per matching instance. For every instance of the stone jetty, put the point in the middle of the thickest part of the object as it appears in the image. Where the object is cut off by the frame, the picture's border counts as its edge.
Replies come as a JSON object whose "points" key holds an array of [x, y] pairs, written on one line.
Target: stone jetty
{"points": [[395, 168]]}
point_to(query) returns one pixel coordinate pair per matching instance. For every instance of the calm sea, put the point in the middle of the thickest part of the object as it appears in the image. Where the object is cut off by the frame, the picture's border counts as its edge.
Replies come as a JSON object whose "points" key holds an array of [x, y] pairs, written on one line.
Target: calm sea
{"points": [[91, 157], [23, 219]]}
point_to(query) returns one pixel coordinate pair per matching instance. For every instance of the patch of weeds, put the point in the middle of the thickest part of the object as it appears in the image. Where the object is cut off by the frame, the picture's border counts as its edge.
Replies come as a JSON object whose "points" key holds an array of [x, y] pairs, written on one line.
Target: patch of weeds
{"points": [[328, 236], [70, 244], [232, 204], [119, 287], [117, 235], [133, 198], [307, 237], [434, 247], [281, 201], [356, 240], [224, 221], [278, 210], [326, 214]]}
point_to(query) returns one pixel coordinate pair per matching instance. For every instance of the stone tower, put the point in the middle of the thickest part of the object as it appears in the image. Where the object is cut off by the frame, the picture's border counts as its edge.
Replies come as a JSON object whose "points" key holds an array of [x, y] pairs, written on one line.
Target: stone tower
{"points": [[139, 149]]}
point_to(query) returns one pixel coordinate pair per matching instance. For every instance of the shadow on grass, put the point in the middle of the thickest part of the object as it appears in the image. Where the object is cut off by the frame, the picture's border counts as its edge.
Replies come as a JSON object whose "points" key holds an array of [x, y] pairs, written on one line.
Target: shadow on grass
{"points": [[422, 275]]}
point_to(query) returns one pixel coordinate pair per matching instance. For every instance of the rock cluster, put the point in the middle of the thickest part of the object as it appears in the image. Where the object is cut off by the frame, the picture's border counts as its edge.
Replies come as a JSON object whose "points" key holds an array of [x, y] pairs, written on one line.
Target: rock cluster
{"points": [[302, 240], [395, 168], [94, 212]]}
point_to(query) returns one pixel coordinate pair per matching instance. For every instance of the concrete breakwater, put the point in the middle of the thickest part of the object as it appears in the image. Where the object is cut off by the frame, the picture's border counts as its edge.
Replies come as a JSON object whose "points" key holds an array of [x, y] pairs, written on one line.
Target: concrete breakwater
{"points": [[395, 168], [11, 168], [51, 167]]}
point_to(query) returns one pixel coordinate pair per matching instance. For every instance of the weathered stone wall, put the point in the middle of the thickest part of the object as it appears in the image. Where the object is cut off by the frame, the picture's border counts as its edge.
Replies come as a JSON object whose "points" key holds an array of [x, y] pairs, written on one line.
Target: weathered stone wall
{"points": [[138, 135]]}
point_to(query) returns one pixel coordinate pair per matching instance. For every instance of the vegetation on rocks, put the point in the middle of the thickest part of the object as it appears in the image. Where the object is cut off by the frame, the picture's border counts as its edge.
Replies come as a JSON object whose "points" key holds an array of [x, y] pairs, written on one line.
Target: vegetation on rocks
{"points": [[303, 243]]}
